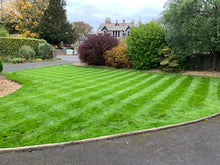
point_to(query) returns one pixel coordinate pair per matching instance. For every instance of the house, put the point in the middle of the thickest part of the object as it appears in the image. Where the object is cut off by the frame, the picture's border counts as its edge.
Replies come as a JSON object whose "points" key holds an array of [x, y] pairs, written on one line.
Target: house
{"points": [[117, 30]]}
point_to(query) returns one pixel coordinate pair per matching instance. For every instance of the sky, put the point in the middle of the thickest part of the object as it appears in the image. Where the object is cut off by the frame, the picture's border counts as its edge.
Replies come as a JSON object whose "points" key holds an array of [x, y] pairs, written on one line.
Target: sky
{"points": [[94, 12]]}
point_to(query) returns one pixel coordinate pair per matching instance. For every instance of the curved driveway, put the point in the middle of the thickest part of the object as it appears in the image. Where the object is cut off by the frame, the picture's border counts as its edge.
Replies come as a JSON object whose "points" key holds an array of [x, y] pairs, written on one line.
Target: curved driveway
{"points": [[195, 144]]}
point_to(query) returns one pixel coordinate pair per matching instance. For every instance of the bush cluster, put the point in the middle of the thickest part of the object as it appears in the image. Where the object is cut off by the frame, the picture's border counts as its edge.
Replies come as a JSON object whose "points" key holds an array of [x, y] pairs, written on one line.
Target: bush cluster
{"points": [[92, 50], [143, 49], [26, 52], [3, 31], [9, 46], [1, 66], [144, 45], [169, 60], [45, 51], [17, 60], [118, 57]]}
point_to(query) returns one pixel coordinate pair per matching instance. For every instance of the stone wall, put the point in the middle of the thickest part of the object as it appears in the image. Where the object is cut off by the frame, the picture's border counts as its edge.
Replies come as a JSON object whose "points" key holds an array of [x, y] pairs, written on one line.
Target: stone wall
{"points": [[59, 52]]}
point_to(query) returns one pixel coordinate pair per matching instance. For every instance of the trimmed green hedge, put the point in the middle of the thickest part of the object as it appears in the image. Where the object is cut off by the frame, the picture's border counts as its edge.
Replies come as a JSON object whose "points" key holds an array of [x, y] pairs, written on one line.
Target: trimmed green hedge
{"points": [[9, 46]]}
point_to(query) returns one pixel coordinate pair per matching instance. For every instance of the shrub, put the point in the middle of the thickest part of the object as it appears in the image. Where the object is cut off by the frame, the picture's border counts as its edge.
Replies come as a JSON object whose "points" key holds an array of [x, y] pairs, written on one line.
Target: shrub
{"points": [[1, 66], [17, 60], [118, 57], [9, 46], [92, 50], [144, 44], [169, 60], [45, 51], [26, 52], [3, 31]]}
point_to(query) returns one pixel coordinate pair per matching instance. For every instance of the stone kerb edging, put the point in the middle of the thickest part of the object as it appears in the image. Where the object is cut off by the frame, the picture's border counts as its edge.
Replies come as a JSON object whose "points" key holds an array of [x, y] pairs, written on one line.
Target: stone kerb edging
{"points": [[46, 146]]}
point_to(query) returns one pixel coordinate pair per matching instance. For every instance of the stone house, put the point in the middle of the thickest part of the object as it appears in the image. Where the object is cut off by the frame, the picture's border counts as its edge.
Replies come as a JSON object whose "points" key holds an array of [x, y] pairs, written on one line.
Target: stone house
{"points": [[117, 30]]}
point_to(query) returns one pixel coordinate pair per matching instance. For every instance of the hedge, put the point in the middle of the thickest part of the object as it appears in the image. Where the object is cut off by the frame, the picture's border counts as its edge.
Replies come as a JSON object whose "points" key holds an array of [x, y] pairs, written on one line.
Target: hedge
{"points": [[9, 46]]}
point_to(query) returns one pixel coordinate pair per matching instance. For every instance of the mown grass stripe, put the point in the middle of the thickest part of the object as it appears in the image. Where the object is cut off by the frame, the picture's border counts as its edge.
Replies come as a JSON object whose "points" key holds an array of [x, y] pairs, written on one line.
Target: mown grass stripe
{"points": [[75, 99], [197, 99], [146, 108], [39, 94], [219, 91], [211, 101], [108, 112], [77, 116], [161, 109]]}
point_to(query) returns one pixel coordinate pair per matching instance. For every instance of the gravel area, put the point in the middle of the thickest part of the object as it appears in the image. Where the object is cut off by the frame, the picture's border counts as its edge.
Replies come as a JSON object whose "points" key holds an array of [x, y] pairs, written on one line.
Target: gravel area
{"points": [[7, 86]]}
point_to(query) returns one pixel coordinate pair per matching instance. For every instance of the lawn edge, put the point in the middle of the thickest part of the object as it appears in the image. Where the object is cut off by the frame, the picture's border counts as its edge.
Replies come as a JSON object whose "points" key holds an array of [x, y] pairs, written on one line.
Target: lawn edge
{"points": [[110, 137]]}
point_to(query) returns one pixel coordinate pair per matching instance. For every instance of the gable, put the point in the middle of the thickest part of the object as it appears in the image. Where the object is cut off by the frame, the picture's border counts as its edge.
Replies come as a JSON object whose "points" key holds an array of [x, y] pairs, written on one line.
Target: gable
{"points": [[104, 28], [128, 28]]}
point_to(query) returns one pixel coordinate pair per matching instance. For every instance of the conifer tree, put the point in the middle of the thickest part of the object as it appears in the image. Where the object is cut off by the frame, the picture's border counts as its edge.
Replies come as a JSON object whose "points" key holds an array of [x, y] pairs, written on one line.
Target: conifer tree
{"points": [[54, 27]]}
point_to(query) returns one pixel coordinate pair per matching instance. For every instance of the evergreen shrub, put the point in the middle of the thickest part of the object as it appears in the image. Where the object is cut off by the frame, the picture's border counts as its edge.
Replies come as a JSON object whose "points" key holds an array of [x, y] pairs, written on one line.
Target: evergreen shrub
{"points": [[17, 60], [169, 60], [144, 45], [3, 31], [26, 52], [118, 57], [92, 50], [45, 51]]}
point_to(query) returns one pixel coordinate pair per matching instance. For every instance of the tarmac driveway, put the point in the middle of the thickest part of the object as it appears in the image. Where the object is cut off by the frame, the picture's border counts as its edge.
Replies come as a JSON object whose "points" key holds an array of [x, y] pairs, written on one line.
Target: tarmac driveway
{"points": [[65, 60], [196, 144]]}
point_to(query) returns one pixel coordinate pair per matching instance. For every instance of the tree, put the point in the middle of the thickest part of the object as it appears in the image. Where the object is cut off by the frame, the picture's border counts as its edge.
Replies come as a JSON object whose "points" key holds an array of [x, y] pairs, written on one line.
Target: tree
{"points": [[24, 16], [54, 26], [144, 45], [83, 28], [193, 28]]}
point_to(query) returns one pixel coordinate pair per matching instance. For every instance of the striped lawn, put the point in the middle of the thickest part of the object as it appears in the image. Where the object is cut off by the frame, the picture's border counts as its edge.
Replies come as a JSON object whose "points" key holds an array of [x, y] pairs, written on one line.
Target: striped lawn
{"points": [[66, 103]]}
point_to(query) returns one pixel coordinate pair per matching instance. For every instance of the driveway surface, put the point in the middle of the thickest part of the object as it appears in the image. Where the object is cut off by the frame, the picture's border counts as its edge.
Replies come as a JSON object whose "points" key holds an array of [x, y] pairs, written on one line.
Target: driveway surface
{"points": [[196, 144], [65, 60]]}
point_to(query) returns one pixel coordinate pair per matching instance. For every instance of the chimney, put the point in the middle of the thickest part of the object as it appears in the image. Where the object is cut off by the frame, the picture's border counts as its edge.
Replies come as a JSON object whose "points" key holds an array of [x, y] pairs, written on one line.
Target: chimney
{"points": [[132, 22], [116, 23], [108, 20]]}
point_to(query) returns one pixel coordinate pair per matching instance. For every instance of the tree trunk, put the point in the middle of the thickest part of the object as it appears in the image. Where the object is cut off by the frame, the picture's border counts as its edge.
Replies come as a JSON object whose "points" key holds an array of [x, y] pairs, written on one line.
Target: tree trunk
{"points": [[215, 61]]}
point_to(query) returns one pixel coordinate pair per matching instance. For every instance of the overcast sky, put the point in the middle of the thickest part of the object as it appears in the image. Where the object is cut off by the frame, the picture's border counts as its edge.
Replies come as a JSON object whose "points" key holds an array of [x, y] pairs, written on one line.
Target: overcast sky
{"points": [[94, 12]]}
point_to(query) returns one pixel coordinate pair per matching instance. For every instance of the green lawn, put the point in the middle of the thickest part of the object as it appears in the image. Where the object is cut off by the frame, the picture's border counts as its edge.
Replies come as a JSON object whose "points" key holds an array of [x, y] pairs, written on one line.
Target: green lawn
{"points": [[65, 103]]}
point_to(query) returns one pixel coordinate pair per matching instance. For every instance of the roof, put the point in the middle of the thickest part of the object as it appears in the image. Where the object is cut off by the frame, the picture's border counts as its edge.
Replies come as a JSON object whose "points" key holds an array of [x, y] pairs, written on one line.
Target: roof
{"points": [[114, 26]]}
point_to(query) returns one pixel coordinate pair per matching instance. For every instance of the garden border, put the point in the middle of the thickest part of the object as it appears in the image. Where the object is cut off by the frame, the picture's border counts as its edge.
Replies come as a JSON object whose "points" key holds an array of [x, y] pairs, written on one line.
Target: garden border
{"points": [[110, 137]]}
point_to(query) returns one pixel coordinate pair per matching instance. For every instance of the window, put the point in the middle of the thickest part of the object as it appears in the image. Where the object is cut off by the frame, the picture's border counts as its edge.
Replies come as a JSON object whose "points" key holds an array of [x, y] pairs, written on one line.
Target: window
{"points": [[128, 33]]}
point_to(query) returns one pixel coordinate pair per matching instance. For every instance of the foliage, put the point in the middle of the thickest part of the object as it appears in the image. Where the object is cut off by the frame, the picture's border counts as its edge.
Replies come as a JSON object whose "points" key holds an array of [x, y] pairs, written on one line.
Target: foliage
{"points": [[26, 52], [82, 28], [9, 46], [144, 44], [24, 15], [54, 26], [45, 51], [192, 28], [92, 50], [17, 60], [118, 57], [1, 65], [169, 59], [3, 32]]}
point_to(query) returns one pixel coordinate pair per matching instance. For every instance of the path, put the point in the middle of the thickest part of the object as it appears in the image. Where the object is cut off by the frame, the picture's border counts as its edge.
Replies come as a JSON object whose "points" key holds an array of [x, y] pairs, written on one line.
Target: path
{"points": [[196, 144], [65, 60]]}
